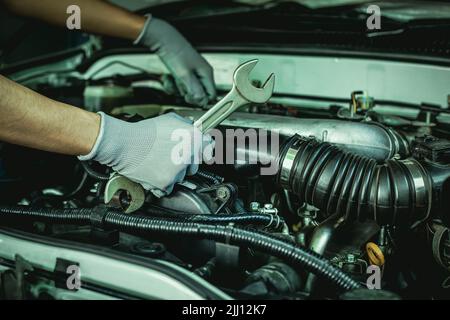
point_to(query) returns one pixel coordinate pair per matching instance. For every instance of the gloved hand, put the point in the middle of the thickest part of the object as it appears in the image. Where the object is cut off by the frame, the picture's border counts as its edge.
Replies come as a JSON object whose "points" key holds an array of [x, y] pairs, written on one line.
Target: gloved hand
{"points": [[157, 152], [193, 75]]}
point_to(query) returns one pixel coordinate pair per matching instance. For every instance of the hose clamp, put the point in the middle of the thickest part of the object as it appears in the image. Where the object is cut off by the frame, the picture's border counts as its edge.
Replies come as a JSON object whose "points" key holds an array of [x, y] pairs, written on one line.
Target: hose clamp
{"points": [[270, 222], [422, 186], [274, 219], [288, 162], [229, 229]]}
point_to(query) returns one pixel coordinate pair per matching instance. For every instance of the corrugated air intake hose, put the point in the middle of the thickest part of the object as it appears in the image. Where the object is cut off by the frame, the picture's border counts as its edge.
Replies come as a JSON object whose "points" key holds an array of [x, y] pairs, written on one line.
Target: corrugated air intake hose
{"points": [[264, 242], [396, 192]]}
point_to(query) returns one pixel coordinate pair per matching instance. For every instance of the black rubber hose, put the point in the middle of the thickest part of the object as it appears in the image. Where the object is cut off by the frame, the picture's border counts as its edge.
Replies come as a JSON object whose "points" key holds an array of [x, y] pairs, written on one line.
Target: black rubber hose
{"points": [[396, 192], [67, 216], [265, 220], [78, 188], [94, 174], [258, 240]]}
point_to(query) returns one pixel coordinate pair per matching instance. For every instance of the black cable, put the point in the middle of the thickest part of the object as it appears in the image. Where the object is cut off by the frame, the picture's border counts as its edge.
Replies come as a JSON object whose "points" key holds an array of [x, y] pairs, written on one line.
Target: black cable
{"points": [[264, 242], [67, 216], [264, 220], [130, 66], [257, 240], [78, 188], [94, 174], [66, 196], [106, 66]]}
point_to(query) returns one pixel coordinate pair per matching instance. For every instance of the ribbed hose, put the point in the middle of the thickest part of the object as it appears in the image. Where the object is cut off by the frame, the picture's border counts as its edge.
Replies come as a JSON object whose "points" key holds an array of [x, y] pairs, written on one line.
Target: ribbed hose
{"points": [[396, 192], [233, 235], [67, 216]]}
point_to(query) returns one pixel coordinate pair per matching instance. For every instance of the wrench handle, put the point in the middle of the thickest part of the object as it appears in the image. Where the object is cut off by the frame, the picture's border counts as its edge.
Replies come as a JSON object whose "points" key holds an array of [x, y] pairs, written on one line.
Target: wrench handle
{"points": [[220, 111]]}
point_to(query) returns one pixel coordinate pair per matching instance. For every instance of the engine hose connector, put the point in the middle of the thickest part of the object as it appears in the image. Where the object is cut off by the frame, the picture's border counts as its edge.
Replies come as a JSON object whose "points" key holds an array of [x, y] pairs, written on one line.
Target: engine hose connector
{"points": [[396, 192]]}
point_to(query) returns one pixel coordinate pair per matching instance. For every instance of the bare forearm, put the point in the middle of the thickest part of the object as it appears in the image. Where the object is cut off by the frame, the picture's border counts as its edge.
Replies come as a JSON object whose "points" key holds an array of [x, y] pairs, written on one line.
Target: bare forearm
{"points": [[32, 120], [97, 16]]}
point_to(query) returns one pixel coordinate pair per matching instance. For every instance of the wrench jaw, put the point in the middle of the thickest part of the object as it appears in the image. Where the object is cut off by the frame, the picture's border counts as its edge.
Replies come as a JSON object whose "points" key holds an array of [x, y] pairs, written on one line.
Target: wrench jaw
{"points": [[242, 93], [246, 89], [115, 189]]}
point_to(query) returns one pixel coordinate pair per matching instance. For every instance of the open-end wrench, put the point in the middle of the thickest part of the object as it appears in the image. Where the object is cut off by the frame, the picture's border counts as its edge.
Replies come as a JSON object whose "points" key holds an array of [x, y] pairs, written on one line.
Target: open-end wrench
{"points": [[134, 197], [242, 93]]}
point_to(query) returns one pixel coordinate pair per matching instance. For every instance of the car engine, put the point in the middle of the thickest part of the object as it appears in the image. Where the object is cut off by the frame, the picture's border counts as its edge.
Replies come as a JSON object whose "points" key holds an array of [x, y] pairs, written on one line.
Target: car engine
{"points": [[359, 200]]}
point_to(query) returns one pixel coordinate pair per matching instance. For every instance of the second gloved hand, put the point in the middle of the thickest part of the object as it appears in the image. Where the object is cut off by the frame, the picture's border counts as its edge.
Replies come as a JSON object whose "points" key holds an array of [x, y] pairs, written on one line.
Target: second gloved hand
{"points": [[157, 152], [193, 75]]}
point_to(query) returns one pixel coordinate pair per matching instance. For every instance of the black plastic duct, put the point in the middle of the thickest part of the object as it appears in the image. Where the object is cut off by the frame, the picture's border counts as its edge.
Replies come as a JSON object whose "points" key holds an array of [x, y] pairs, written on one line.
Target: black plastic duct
{"points": [[264, 242], [396, 192]]}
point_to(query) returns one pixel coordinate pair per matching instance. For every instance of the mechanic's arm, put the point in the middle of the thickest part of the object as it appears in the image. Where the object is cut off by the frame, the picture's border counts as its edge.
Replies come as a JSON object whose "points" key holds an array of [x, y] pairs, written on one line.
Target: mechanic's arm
{"points": [[141, 151], [32, 120], [97, 16], [193, 75]]}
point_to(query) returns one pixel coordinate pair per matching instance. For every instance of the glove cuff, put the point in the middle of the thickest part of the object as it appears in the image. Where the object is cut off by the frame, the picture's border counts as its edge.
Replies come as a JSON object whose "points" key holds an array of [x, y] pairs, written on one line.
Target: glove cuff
{"points": [[94, 150], [122, 144], [141, 37]]}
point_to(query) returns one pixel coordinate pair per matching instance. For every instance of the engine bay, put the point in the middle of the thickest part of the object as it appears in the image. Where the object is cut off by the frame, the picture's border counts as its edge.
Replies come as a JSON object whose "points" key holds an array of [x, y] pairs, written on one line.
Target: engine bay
{"points": [[359, 200]]}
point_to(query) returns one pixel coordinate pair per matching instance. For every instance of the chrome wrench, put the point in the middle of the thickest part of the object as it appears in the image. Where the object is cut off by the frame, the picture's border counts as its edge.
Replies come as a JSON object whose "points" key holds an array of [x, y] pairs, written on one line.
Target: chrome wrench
{"points": [[243, 92]]}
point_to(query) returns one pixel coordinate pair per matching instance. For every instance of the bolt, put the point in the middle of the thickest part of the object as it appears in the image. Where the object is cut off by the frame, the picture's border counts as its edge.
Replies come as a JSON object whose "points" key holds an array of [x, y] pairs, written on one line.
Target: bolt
{"points": [[351, 258], [222, 193], [254, 206]]}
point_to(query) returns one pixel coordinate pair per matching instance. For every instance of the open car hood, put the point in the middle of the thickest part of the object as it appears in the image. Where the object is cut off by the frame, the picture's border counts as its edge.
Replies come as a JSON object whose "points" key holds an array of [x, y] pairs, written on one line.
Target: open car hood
{"points": [[400, 10]]}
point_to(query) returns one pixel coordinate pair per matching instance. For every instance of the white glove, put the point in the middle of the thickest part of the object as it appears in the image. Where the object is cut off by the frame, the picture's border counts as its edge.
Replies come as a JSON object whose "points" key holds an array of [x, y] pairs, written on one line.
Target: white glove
{"points": [[193, 75], [157, 152]]}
